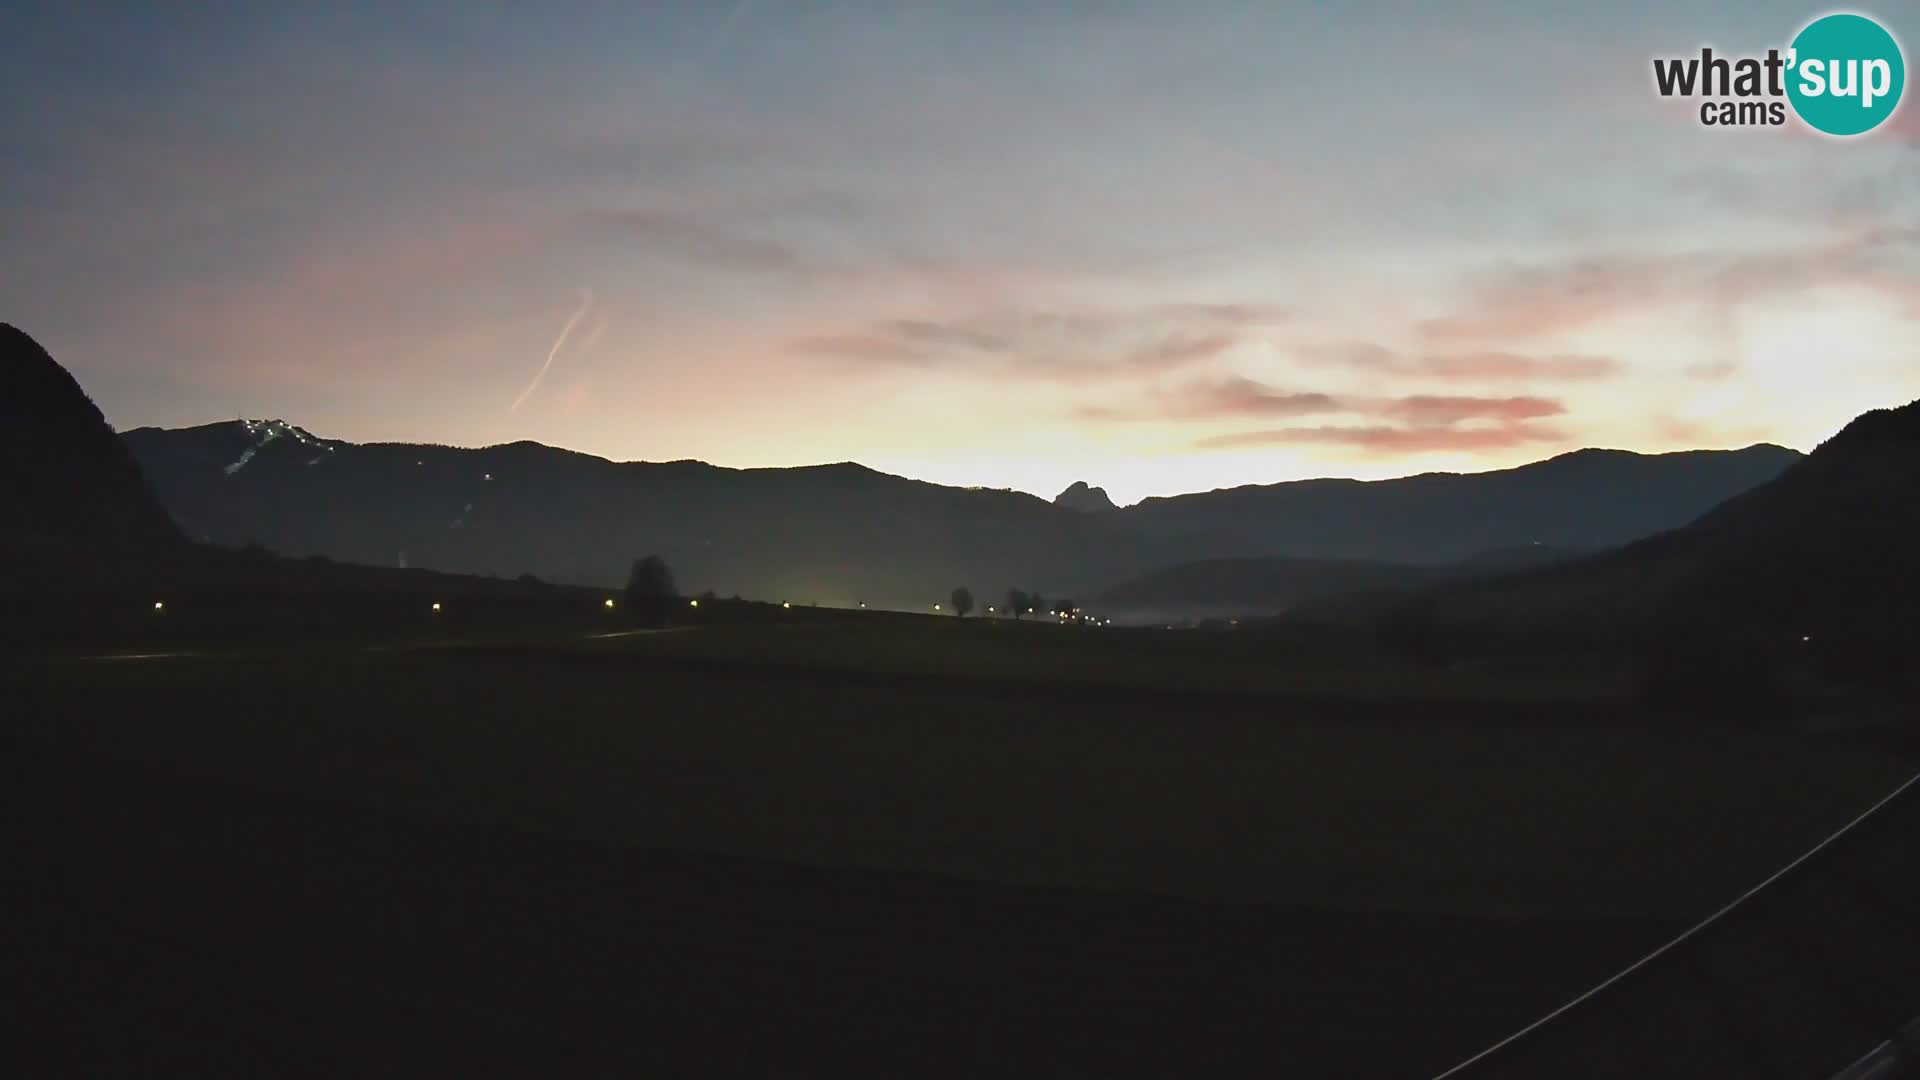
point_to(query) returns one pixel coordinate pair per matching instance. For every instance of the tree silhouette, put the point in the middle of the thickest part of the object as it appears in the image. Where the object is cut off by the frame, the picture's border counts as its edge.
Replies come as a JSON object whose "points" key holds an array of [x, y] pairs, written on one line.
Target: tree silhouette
{"points": [[650, 579], [962, 601], [1017, 602], [1037, 602], [650, 588]]}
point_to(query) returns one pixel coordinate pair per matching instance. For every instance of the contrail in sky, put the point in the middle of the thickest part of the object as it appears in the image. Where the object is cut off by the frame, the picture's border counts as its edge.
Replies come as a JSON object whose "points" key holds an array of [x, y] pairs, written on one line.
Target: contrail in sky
{"points": [[586, 301]]}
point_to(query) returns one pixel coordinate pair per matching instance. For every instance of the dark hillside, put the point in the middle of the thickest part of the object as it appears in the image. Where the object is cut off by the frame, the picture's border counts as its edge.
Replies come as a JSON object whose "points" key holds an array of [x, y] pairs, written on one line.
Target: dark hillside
{"points": [[64, 474]]}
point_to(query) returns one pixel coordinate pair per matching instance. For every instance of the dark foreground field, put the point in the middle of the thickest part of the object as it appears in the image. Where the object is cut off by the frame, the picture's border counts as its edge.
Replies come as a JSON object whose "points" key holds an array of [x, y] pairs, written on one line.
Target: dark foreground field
{"points": [[671, 855], [195, 929]]}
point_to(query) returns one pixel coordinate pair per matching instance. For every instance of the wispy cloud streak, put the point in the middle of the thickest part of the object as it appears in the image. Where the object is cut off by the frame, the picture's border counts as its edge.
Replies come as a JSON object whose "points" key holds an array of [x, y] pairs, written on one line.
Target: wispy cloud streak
{"points": [[586, 302]]}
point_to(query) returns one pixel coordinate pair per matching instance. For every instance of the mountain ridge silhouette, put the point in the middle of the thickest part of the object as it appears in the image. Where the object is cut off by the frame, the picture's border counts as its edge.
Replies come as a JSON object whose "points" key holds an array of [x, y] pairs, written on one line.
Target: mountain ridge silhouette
{"points": [[64, 473], [845, 533]]}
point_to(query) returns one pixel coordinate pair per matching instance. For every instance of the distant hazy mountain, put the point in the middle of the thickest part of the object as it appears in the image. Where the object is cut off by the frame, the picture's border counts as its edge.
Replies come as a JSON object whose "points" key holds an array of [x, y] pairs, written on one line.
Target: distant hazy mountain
{"points": [[840, 534], [1585, 500], [1079, 496], [1268, 584], [1258, 585], [64, 474], [1828, 552]]}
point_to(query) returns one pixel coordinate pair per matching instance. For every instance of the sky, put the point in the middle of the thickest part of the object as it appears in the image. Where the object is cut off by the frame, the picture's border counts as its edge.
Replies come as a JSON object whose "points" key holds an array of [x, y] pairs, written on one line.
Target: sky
{"points": [[1159, 247]]}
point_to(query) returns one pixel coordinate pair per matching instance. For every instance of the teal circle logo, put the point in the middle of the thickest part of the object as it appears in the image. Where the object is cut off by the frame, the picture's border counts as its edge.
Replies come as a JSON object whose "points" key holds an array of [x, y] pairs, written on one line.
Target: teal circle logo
{"points": [[1845, 74]]}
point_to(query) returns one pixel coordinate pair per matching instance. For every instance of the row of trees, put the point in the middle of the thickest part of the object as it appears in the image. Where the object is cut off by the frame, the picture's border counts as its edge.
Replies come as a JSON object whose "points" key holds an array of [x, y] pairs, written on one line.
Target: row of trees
{"points": [[650, 584], [1019, 603]]}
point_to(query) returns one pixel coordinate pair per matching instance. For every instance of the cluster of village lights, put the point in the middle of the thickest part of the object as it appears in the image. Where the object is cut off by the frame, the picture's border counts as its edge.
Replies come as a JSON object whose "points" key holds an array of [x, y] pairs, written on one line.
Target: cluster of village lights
{"points": [[1075, 615]]}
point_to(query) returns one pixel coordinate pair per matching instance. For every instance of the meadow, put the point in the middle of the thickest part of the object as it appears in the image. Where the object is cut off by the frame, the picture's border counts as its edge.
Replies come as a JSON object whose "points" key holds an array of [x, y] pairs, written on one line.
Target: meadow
{"points": [[1180, 763], [766, 841]]}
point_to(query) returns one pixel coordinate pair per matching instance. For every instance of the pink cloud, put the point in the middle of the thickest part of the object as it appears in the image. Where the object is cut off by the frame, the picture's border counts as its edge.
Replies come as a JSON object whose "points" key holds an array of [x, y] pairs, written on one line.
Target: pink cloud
{"points": [[1232, 396], [1071, 343], [1414, 419], [1435, 411], [1475, 364], [1533, 302], [1391, 440]]}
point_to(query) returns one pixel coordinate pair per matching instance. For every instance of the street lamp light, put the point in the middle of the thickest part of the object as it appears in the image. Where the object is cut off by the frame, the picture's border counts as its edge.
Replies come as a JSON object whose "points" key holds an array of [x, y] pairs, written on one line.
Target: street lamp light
{"points": [[159, 606], [436, 607]]}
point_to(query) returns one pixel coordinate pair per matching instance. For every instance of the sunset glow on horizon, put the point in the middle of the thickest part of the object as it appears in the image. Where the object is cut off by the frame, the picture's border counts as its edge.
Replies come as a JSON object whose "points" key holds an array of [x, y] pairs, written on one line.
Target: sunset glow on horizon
{"points": [[1158, 248]]}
